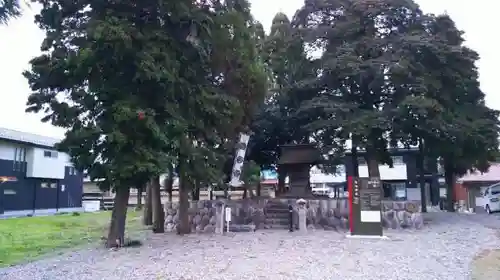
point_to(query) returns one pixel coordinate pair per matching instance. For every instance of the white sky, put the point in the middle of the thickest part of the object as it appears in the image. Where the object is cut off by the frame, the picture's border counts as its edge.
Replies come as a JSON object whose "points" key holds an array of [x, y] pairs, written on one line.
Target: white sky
{"points": [[20, 41]]}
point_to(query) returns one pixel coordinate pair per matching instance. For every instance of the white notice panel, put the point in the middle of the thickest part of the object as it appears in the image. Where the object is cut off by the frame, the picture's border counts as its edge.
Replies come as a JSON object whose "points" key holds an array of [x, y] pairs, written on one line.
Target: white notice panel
{"points": [[228, 214], [370, 216]]}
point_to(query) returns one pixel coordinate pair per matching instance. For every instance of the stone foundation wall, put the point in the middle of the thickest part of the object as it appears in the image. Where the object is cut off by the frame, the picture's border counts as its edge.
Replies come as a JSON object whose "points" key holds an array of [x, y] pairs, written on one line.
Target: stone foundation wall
{"points": [[203, 214], [328, 214], [333, 214]]}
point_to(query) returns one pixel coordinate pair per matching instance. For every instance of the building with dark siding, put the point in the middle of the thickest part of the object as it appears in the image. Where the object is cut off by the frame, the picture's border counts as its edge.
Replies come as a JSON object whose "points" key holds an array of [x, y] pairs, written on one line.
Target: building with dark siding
{"points": [[36, 179], [400, 182]]}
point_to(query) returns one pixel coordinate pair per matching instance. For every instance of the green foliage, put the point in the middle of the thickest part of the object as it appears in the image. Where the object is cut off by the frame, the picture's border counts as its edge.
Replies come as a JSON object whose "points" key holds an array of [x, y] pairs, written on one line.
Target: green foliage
{"points": [[277, 122], [251, 173], [102, 65], [393, 75], [9, 9]]}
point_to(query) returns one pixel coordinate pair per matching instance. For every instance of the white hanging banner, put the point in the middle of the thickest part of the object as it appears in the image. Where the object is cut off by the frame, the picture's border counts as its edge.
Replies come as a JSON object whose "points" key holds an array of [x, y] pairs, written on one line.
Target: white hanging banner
{"points": [[239, 159]]}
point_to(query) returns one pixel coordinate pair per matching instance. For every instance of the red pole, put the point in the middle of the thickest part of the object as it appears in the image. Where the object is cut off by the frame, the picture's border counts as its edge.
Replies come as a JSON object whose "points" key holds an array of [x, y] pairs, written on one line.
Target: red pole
{"points": [[351, 212]]}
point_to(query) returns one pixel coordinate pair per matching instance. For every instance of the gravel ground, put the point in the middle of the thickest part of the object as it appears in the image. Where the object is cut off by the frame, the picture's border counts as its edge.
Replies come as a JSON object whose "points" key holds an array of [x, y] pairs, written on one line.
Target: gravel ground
{"points": [[443, 250]]}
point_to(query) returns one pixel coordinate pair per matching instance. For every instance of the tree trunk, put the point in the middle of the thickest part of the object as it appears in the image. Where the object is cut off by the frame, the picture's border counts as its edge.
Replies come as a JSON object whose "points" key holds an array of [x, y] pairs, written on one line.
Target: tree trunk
{"points": [[421, 175], [116, 234], [147, 218], [158, 215], [449, 178], [195, 193], [169, 184], [183, 227], [258, 189], [245, 191], [281, 180], [139, 197], [354, 159], [373, 170]]}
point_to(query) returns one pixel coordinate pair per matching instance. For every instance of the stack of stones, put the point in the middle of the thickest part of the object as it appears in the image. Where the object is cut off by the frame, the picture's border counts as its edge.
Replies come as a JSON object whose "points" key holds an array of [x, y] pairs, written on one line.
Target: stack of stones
{"points": [[402, 214], [334, 214], [327, 214], [201, 216]]}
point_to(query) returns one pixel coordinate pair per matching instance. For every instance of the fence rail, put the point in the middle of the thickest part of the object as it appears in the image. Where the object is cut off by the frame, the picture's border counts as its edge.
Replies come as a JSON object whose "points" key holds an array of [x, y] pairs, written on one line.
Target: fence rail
{"points": [[106, 201]]}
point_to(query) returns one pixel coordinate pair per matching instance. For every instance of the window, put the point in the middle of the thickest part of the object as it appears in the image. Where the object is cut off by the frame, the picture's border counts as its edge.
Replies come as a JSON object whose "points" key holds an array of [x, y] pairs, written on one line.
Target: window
{"points": [[394, 190], [397, 160], [340, 168], [72, 171], [50, 154], [19, 158], [495, 190], [44, 185], [53, 185], [487, 192]]}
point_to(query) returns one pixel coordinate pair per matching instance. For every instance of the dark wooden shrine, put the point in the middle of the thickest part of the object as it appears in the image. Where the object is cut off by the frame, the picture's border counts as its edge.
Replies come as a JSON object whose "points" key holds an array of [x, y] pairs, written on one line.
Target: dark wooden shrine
{"points": [[295, 162]]}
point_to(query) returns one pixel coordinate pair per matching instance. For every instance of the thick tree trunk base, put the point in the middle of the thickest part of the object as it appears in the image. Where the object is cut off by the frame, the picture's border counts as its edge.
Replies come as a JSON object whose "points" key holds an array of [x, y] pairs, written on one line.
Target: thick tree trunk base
{"points": [[158, 215], [183, 227], [147, 218], [450, 190], [139, 199], [116, 234]]}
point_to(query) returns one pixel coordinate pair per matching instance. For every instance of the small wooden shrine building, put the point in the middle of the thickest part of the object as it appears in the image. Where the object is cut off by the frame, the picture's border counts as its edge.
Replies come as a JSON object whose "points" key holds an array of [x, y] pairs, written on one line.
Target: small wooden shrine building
{"points": [[295, 162]]}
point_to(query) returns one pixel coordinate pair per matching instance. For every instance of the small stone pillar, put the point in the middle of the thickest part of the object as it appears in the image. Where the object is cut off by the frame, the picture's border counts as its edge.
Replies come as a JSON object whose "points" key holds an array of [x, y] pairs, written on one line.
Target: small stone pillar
{"points": [[302, 212], [219, 217]]}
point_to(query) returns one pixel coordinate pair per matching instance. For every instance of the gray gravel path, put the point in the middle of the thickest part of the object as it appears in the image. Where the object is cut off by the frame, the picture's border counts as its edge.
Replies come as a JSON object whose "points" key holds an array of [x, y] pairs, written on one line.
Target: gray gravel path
{"points": [[441, 251]]}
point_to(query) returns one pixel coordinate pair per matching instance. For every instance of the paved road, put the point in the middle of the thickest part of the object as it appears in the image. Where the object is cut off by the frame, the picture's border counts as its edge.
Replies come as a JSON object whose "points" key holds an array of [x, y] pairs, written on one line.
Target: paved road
{"points": [[443, 250]]}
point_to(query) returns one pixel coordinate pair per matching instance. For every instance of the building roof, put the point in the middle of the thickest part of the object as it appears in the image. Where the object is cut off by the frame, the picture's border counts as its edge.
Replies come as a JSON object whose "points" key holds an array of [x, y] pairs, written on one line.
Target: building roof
{"points": [[27, 138], [493, 175], [299, 154]]}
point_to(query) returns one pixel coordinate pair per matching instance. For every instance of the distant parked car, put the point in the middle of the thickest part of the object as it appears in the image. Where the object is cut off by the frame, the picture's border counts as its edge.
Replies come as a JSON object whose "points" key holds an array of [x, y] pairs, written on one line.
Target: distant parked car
{"points": [[490, 199]]}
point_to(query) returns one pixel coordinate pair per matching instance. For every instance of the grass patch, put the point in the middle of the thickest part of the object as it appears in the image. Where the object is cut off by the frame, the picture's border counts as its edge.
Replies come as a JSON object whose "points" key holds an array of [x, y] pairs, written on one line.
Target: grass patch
{"points": [[485, 265], [27, 238]]}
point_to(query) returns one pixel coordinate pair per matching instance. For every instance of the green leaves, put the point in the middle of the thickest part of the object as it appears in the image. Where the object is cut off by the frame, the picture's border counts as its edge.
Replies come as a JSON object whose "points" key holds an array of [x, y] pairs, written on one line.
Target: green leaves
{"points": [[193, 69], [9, 9]]}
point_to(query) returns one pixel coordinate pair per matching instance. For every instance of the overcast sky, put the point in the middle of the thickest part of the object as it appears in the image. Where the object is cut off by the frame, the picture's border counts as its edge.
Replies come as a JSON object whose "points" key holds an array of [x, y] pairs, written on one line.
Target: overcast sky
{"points": [[20, 41]]}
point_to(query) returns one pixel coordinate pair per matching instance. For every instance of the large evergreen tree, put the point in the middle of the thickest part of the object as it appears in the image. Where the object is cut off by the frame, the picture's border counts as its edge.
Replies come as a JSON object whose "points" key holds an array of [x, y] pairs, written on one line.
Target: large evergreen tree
{"points": [[277, 121], [360, 42], [242, 75], [131, 81], [447, 106], [393, 75]]}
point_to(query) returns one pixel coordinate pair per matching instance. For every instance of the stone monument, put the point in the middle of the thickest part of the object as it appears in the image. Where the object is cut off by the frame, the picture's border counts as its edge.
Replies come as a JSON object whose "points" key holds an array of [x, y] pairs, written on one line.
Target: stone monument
{"points": [[302, 213]]}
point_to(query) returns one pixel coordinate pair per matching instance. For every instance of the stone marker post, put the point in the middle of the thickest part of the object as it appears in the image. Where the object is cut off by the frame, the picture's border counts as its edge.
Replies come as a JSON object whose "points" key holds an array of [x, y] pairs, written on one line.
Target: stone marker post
{"points": [[302, 212], [219, 217]]}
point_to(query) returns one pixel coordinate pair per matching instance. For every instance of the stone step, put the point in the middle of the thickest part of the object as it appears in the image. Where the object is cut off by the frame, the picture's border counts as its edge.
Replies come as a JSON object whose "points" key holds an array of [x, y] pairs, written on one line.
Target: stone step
{"points": [[279, 215], [240, 228], [278, 226], [277, 221], [277, 210], [277, 204]]}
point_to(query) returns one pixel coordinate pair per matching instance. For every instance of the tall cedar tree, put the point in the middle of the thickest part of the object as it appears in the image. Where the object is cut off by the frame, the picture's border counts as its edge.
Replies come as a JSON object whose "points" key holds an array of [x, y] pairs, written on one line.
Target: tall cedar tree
{"points": [[277, 122], [360, 42], [393, 75], [105, 63], [433, 114], [241, 70]]}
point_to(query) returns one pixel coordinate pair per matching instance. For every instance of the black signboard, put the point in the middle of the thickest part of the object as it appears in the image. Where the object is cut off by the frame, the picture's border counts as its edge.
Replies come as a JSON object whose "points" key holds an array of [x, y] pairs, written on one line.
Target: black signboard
{"points": [[366, 205]]}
